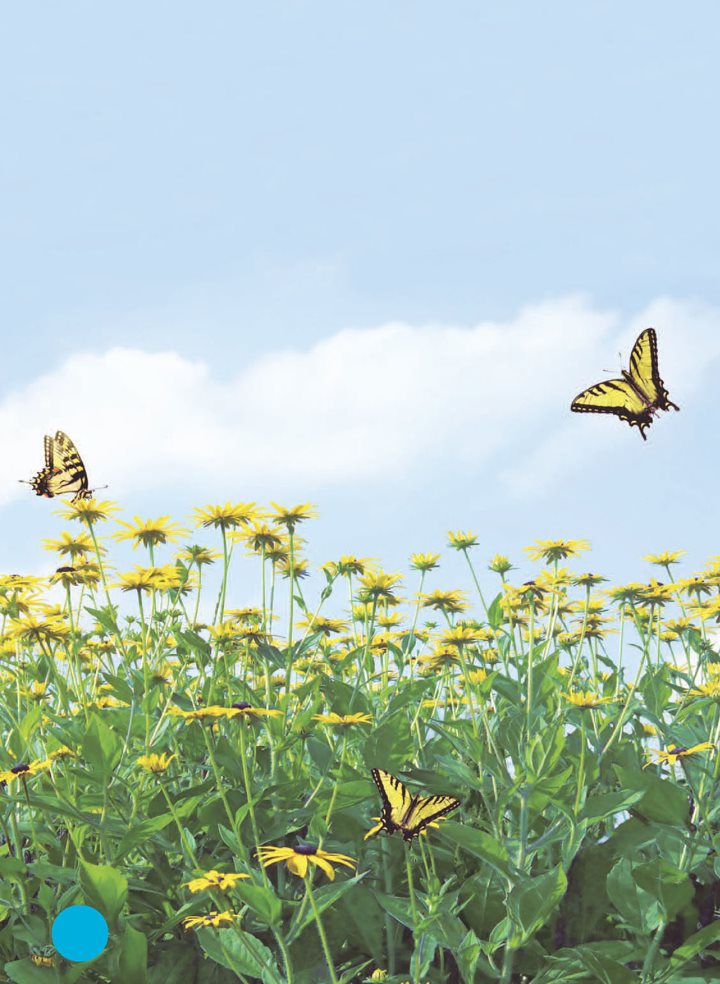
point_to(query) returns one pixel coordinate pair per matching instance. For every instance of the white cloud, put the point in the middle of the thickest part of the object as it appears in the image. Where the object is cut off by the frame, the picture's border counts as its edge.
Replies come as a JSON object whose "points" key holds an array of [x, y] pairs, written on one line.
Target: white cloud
{"points": [[362, 405]]}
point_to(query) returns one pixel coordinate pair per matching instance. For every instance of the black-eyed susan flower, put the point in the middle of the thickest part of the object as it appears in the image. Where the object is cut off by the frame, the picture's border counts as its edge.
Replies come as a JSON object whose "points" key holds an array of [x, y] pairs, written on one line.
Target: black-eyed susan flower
{"points": [[298, 858], [666, 558], [76, 547], [214, 879], [212, 919], [710, 689], [552, 550], [89, 511], [586, 699], [348, 565], [342, 719], [588, 580], [500, 564], [198, 555], [228, 516], [448, 602], [290, 517], [376, 586], [149, 532], [462, 540], [424, 561], [675, 752], [318, 623], [154, 762], [24, 770]]}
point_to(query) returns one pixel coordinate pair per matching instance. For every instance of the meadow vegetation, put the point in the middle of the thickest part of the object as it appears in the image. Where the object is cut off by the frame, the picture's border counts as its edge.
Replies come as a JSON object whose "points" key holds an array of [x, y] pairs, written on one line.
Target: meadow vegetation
{"points": [[206, 785]]}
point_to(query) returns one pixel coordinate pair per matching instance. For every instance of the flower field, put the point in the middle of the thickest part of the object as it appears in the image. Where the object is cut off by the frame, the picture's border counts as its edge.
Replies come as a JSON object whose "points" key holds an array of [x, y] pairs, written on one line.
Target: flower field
{"points": [[517, 782]]}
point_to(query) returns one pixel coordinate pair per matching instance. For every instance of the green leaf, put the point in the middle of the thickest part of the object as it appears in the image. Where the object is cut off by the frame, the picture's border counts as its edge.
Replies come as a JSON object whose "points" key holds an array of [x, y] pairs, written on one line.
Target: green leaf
{"points": [[664, 802], [325, 896], [141, 832], [105, 888], [532, 902], [601, 807], [666, 883], [133, 956], [467, 955], [496, 615], [174, 963], [481, 845], [101, 747], [635, 905], [262, 900], [695, 944], [239, 951], [25, 972]]}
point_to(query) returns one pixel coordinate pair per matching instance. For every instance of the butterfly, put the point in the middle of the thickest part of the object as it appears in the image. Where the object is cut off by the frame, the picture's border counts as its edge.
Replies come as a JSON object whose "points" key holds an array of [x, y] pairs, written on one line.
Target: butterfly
{"points": [[404, 812], [636, 397], [64, 470]]}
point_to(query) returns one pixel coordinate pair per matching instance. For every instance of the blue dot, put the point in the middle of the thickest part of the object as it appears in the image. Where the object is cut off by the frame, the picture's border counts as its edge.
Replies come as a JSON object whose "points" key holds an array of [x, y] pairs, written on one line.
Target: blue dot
{"points": [[79, 933]]}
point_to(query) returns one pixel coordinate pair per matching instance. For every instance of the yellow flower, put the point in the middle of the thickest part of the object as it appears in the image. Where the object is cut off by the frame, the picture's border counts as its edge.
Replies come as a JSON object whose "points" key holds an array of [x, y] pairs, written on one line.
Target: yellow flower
{"points": [[299, 857], [665, 559], [213, 711], [214, 919], [108, 701], [155, 763], [88, 511], [348, 565], [675, 752], [376, 585], [72, 546], [228, 516], [710, 689], [150, 532], [500, 564], [38, 690], [214, 879], [343, 719], [53, 628], [588, 580], [461, 541], [289, 518], [445, 601], [552, 550], [24, 770], [424, 561], [586, 699]]}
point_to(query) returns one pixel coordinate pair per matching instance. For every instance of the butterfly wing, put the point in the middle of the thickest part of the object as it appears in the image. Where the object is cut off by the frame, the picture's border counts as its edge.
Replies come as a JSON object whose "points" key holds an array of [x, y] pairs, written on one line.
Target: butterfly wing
{"points": [[424, 810], [395, 798], [408, 814], [64, 470], [637, 396], [644, 372], [614, 396]]}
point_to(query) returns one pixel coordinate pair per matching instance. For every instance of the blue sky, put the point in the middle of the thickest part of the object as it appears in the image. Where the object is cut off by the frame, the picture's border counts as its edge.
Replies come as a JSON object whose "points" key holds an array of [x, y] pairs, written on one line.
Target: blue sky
{"points": [[364, 255]]}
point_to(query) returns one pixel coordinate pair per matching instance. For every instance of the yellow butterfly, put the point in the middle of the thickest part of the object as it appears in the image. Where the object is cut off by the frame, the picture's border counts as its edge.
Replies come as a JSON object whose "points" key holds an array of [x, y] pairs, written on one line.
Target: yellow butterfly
{"points": [[636, 397], [404, 812], [64, 470]]}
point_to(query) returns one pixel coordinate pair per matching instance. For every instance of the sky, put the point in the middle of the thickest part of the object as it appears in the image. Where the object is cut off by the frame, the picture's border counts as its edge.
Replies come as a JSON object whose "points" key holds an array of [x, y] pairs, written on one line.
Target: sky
{"points": [[364, 256]]}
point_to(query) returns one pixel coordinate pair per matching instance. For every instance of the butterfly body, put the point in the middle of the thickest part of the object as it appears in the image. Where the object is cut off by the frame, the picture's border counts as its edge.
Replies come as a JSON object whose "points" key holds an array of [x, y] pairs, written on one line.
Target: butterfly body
{"points": [[638, 395], [64, 470], [407, 813]]}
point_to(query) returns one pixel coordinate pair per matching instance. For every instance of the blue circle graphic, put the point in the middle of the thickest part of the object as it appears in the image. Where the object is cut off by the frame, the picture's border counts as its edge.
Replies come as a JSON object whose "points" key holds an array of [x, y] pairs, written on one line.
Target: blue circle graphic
{"points": [[79, 933]]}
